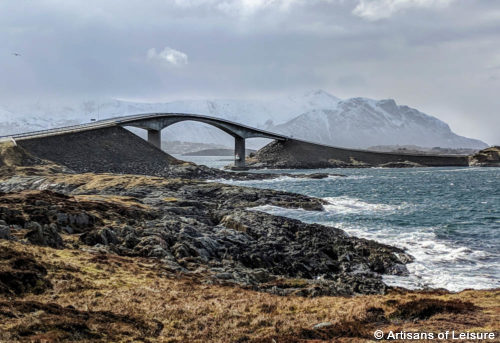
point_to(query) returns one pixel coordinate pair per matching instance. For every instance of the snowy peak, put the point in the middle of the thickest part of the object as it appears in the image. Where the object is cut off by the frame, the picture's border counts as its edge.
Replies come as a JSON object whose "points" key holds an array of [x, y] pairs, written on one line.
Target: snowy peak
{"points": [[316, 99], [362, 122]]}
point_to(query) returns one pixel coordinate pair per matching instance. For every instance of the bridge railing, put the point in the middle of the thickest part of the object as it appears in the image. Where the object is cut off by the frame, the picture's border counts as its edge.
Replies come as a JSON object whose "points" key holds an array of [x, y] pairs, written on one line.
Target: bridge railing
{"points": [[69, 128], [123, 120]]}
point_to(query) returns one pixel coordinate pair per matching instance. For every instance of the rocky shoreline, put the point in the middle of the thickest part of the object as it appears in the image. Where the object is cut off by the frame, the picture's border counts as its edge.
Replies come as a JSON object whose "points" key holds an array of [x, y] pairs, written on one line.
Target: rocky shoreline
{"points": [[101, 257], [191, 225], [489, 157]]}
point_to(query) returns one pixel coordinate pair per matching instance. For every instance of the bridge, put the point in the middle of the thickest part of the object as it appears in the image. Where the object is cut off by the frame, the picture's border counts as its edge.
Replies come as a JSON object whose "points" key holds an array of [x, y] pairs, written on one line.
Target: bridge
{"points": [[155, 122]]}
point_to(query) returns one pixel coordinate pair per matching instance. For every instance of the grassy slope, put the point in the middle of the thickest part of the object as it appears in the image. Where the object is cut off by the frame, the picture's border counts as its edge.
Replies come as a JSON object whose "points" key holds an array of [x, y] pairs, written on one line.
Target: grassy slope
{"points": [[124, 299]]}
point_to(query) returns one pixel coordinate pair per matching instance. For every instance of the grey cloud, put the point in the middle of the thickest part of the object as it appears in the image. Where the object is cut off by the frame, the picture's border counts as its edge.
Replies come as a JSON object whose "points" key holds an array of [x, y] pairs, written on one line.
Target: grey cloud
{"points": [[432, 58], [379, 9]]}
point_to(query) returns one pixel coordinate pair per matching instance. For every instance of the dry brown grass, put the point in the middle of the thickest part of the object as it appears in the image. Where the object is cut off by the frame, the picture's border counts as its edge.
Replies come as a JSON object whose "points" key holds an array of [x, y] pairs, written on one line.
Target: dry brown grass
{"points": [[124, 201], [90, 181], [10, 155], [15, 161], [191, 310]]}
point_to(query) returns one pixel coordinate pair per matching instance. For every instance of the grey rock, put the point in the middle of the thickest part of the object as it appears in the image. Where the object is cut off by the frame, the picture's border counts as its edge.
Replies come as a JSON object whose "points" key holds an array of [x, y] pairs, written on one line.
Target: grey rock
{"points": [[46, 235], [209, 227], [5, 232], [104, 236]]}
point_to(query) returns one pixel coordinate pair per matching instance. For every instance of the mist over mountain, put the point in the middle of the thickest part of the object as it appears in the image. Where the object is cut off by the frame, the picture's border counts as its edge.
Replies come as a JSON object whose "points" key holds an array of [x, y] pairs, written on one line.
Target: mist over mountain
{"points": [[315, 116], [361, 122]]}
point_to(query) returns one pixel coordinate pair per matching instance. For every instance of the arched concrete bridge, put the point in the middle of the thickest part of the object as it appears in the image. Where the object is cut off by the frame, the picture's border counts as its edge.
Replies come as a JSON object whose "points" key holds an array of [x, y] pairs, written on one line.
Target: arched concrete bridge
{"points": [[155, 122]]}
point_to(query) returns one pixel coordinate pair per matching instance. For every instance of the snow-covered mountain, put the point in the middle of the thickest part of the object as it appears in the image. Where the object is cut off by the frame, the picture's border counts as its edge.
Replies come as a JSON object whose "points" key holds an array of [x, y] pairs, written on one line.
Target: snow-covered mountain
{"points": [[317, 116], [361, 122], [11, 123]]}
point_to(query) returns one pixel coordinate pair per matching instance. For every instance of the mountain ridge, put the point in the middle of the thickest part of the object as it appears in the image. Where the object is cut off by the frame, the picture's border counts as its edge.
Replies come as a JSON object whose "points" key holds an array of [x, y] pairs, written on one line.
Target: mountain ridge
{"points": [[314, 116], [373, 122]]}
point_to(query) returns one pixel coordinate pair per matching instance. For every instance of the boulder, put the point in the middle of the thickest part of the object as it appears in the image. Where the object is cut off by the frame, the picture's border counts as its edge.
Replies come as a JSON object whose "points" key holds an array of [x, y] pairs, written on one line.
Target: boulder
{"points": [[45, 235], [104, 236], [4, 230]]}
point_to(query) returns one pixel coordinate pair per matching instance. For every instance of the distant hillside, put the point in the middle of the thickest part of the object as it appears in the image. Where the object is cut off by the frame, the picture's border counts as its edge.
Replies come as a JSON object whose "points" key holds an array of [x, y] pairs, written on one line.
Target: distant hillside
{"points": [[216, 152], [360, 123]]}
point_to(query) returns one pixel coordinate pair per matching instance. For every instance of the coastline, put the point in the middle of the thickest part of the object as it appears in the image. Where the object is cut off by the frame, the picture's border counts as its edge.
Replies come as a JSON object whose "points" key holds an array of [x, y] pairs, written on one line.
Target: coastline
{"points": [[296, 154], [102, 248], [100, 297]]}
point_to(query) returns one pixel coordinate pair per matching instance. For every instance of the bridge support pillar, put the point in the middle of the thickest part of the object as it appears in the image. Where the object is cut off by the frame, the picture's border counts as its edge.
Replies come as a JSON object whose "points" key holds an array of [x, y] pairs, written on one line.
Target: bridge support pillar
{"points": [[239, 153], [154, 137]]}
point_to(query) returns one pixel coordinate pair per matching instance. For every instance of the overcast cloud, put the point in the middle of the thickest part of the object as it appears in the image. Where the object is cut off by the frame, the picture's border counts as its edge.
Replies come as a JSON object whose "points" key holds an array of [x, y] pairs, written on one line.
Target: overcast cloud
{"points": [[440, 56]]}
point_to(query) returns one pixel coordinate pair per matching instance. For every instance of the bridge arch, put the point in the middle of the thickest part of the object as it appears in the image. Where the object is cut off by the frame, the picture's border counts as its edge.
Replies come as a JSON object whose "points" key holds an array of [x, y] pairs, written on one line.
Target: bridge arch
{"points": [[155, 122]]}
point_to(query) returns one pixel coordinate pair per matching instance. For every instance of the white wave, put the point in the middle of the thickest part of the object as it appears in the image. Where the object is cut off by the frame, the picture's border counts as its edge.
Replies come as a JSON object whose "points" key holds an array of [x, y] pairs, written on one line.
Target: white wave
{"points": [[277, 179], [340, 205], [438, 264], [347, 205], [243, 182], [449, 170], [287, 178]]}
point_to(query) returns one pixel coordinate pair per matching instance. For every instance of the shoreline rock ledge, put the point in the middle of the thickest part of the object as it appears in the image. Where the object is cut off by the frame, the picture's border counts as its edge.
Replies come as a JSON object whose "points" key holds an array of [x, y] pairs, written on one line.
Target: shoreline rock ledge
{"points": [[489, 157], [295, 154], [196, 227], [189, 226]]}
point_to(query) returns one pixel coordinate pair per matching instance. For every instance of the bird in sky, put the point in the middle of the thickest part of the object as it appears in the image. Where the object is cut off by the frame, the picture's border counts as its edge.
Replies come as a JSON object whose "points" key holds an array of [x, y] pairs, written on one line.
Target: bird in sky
{"points": [[16, 54]]}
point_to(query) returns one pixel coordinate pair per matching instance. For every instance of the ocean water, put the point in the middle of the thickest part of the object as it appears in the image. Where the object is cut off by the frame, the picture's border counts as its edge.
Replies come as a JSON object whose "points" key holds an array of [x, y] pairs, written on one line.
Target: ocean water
{"points": [[447, 218], [209, 161]]}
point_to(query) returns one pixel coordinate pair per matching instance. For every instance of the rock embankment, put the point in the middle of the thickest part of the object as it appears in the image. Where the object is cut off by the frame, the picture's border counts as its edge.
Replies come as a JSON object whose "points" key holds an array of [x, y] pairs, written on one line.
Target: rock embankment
{"points": [[111, 150], [197, 227], [303, 155], [489, 157]]}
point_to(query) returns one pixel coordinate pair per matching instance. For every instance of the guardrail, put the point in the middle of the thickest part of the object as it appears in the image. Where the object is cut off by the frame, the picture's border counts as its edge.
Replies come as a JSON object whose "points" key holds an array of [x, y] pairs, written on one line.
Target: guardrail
{"points": [[71, 128], [123, 120]]}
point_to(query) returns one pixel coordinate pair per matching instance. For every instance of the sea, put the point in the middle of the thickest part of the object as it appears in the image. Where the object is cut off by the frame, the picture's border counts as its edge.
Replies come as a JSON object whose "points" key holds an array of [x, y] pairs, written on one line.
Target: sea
{"points": [[448, 219]]}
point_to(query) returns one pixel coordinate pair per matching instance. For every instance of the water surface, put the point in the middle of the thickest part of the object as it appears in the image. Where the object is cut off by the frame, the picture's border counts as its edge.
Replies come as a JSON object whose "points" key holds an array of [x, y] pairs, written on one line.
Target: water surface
{"points": [[447, 218]]}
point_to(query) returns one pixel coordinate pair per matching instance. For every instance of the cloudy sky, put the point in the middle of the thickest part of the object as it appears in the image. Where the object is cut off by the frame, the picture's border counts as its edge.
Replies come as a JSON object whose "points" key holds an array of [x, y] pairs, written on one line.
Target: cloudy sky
{"points": [[440, 56]]}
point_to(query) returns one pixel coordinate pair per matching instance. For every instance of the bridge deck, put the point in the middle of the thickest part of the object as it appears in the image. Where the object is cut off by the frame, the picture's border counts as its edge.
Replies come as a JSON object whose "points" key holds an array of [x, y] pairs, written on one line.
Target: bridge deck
{"points": [[132, 120]]}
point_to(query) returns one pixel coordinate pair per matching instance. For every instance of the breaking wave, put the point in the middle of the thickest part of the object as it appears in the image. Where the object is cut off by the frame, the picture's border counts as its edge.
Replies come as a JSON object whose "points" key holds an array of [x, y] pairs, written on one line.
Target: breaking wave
{"points": [[447, 218]]}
